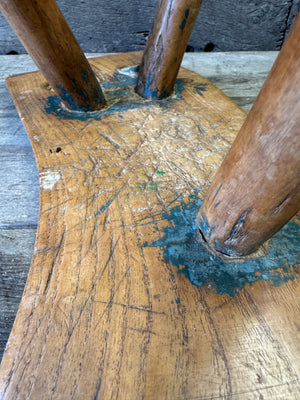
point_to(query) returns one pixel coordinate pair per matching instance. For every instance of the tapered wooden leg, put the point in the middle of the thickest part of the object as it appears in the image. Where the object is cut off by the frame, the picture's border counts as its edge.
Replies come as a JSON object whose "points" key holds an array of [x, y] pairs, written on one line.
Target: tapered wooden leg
{"points": [[257, 188], [165, 48], [49, 40]]}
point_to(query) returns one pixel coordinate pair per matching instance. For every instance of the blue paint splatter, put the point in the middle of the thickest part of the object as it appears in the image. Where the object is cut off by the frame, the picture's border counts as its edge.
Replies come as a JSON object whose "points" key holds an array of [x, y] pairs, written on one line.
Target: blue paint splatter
{"points": [[85, 76], [182, 26], [68, 98], [84, 95], [217, 192], [148, 91], [205, 228], [151, 92], [181, 248], [200, 88], [104, 207], [120, 95]]}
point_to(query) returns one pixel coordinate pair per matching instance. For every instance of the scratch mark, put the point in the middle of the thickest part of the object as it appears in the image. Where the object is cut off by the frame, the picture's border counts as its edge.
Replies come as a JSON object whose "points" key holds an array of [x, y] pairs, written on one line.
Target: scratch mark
{"points": [[55, 258], [110, 140], [108, 203], [217, 192], [133, 306], [104, 207]]}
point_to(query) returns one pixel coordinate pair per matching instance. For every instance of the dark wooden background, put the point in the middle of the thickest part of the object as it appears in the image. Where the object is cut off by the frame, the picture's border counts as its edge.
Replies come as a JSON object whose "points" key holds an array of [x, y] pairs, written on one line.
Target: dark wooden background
{"points": [[222, 25]]}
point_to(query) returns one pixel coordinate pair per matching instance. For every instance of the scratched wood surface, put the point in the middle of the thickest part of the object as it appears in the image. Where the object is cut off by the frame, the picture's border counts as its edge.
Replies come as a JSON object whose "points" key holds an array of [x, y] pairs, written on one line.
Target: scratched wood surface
{"points": [[104, 313], [239, 75]]}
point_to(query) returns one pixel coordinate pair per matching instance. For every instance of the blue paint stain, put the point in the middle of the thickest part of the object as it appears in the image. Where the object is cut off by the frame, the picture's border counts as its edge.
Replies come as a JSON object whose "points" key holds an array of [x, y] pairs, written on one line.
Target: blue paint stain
{"points": [[148, 91], [85, 76], [120, 95], [84, 95], [181, 248], [205, 228], [68, 98], [200, 88], [104, 207], [216, 194], [153, 93], [228, 251], [182, 26], [216, 205]]}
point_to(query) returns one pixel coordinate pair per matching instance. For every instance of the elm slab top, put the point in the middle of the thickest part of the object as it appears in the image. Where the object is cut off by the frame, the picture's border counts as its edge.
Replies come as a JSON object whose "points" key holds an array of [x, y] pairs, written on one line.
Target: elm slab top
{"points": [[240, 75]]}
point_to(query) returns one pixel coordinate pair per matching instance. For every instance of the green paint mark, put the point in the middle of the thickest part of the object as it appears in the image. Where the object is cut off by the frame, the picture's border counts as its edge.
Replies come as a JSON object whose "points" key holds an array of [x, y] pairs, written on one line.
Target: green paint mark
{"points": [[183, 23], [160, 172], [153, 186]]}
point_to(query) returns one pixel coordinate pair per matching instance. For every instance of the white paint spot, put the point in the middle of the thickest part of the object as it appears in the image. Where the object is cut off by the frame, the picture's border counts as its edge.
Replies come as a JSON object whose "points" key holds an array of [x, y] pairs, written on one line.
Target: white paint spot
{"points": [[11, 339], [233, 183], [271, 172], [140, 209], [36, 138], [130, 71], [48, 179]]}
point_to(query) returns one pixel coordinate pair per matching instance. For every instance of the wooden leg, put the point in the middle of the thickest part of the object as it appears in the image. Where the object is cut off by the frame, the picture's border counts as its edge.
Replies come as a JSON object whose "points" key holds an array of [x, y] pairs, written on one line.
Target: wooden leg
{"points": [[49, 40], [166, 46], [257, 188]]}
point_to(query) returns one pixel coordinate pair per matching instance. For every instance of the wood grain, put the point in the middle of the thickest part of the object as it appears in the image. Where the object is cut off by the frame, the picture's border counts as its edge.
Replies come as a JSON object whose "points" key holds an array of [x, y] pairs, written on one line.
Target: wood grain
{"points": [[257, 188], [239, 75], [222, 25], [117, 304], [49, 40], [162, 57]]}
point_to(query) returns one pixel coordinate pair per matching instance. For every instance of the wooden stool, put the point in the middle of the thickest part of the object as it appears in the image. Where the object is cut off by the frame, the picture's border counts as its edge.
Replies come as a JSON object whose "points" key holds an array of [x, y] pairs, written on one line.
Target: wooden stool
{"points": [[118, 302]]}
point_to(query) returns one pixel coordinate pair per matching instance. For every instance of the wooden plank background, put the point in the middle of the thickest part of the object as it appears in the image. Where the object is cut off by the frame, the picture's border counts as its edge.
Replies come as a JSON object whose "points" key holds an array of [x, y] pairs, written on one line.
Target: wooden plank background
{"points": [[120, 26], [239, 75]]}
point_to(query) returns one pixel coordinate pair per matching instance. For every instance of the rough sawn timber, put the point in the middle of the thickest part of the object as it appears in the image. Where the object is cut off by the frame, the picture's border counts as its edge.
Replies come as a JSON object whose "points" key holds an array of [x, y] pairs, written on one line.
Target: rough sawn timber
{"points": [[105, 316]]}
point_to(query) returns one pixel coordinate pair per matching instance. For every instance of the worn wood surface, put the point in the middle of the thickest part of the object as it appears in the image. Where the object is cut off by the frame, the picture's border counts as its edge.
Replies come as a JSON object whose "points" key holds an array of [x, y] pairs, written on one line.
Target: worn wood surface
{"points": [[165, 48], [256, 191], [96, 293], [47, 37], [255, 357], [240, 75], [227, 25]]}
